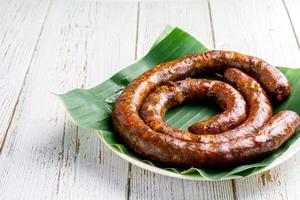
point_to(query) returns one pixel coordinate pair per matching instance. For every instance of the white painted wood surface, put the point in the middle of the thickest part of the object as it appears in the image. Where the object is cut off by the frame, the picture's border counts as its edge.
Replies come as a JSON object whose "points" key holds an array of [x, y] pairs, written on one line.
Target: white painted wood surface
{"points": [[54, 46], [20, 27]]}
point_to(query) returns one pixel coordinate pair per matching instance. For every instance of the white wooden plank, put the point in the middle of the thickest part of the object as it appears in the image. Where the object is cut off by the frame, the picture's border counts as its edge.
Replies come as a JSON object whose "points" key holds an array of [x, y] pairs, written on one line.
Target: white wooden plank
{"points": [[20, 25], [259, 28], [194, 18], [94, 172], [45, 156], [263, 29]]}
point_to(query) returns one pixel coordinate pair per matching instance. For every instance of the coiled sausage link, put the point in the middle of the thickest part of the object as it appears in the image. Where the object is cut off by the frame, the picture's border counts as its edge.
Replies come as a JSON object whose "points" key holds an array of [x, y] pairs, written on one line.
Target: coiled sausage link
{"points": [[260, 109], [175, 93], [208, 151]]}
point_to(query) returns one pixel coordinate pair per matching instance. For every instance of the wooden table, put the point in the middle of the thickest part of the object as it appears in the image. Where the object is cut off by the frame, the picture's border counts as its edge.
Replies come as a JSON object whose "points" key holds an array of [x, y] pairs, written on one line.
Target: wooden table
{"points": [[54, 46]]}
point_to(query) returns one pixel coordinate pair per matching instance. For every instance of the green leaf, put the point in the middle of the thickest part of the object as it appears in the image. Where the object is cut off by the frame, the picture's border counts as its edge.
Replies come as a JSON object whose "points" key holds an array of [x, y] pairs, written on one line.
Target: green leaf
{"points": [[92, 108]]}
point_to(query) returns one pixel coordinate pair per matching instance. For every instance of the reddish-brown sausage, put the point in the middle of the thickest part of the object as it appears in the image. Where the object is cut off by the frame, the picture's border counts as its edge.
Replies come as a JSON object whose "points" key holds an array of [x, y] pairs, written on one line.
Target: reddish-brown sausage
{"points": [[209, 150], [157, 103], [173, 94], [270, 137], [260, 109]]}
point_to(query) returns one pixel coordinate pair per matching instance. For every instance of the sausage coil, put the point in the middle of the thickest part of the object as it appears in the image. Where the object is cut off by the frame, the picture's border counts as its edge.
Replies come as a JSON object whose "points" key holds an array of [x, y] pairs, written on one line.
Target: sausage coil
{"points": [[139, 110], [175, 93]]}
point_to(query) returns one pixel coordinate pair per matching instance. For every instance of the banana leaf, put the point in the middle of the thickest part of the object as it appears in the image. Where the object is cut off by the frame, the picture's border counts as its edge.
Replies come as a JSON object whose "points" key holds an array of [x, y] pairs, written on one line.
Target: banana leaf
{"points": [[91, 108]]}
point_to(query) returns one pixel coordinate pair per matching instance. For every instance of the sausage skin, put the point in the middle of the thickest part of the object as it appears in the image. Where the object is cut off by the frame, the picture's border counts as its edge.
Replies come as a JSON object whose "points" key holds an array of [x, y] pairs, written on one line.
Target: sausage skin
{"points": [[175, 93], [260, 109], [208, 150]]}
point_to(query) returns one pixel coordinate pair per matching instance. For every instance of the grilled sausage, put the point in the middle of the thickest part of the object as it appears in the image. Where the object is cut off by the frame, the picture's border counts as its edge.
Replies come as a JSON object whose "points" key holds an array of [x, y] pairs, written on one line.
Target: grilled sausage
{"points": [[260, 109], [270, 137], [208, 150], [173, 94]]}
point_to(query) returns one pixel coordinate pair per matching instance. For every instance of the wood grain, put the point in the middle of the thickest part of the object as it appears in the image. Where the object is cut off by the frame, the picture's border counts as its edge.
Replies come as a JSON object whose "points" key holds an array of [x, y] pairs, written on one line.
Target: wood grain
{"points": [[20, 27], [95, 172], [45, 156], [263, 30]]}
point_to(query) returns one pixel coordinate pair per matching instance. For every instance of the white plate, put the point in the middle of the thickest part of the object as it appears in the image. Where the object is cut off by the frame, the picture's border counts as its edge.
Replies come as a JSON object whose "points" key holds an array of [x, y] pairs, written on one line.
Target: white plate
{"points": [[292, 150]]}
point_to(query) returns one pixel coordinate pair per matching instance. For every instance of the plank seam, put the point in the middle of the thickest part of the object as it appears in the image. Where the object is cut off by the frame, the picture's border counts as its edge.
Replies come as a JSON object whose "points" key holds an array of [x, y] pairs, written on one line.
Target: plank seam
{"points": [[135, 57], [24, 80], [211, 24], [291, 23], [137, 29], [61, 155], [233, 185], [129, 181]]}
